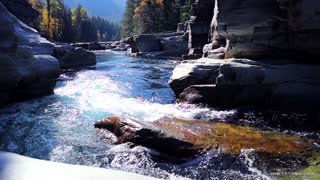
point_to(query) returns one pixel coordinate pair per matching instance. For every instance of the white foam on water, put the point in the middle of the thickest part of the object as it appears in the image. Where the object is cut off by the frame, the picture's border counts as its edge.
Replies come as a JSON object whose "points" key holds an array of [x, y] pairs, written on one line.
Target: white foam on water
{"points": [[249, 159], [94, 91]]}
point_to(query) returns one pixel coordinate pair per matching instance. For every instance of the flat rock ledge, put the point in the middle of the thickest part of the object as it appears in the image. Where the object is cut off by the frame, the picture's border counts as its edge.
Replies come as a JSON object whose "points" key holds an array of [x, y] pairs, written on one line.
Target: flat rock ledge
{"points": [[229, 83]]}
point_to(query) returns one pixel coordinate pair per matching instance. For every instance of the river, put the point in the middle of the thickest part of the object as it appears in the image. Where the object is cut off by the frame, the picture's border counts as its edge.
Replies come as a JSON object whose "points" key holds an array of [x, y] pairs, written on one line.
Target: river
{"points": [[60, 128]]}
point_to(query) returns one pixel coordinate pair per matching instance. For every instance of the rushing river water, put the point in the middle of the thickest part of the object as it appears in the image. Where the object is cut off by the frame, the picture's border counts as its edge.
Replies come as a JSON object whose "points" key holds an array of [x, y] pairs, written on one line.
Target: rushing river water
{"points": [[60, 127]]}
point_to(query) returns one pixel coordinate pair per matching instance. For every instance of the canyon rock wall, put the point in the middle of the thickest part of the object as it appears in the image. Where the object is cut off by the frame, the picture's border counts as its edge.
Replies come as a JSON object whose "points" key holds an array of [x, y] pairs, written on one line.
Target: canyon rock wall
{"points": [[257, 29], [281, 39]]}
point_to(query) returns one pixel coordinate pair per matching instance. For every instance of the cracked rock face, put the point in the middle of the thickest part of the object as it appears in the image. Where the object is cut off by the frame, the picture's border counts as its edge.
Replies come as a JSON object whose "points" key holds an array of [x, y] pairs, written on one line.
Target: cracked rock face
{"points": [[258, 29], [230, 83], [270, 28]]}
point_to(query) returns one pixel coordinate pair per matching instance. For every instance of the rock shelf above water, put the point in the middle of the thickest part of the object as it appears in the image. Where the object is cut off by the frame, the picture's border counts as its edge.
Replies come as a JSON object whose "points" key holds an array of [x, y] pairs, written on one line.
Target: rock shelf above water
{"points": [[228, 83]]}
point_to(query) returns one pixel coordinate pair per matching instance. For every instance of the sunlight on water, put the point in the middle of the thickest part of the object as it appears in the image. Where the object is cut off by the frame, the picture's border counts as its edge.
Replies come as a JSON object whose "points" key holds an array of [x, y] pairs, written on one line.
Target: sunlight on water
{"points": [[60, 127]]}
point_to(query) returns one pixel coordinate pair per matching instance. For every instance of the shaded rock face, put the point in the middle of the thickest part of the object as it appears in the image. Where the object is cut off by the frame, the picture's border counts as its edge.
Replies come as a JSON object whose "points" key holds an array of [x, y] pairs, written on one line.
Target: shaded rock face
{"points": [[241, 82], [70, 57], [22, 10], [161, 45], [27, 68], [185, 139], [147, 43], [255, 29], [268, 28], [199, 23], [95, 46], [73, 57], [133, 46]]}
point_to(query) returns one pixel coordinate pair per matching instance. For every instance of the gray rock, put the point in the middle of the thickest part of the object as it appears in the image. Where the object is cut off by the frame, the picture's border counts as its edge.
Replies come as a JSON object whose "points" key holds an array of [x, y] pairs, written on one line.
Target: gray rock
{"points": [[178, 43], [242, 82], [9, 74], [82, 45], [270, 28], [23, 72], [147, 43], [132, 44], [95, 46], [77, 57], [61, 49]]}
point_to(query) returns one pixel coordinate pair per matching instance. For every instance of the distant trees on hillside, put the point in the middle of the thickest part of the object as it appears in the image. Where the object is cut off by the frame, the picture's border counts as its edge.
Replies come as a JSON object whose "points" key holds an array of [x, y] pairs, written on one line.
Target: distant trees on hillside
{"points": [[150, 16], [59, 23]]}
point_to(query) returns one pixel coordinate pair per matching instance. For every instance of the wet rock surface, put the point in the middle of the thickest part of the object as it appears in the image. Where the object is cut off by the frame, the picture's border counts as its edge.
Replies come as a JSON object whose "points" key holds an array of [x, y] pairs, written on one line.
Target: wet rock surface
{"points": [[185, 139]]}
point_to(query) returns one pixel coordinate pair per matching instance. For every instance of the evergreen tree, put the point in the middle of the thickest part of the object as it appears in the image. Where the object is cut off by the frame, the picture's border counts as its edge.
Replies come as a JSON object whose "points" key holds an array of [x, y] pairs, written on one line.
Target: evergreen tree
{"points": [[151, 16]]}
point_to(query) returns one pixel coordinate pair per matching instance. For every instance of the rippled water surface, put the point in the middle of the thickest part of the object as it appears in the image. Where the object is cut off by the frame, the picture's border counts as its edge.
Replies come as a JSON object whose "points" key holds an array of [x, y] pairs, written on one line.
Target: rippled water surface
{"points": [[60, 127]]}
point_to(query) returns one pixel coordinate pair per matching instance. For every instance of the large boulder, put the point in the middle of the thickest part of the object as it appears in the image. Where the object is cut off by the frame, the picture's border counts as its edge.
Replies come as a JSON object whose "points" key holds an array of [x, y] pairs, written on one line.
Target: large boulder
{"points": [[75, 57], [95, 46], [132, 44], [27, 67], [175, 43], [22, 34], [193, 72], [147, 43], [231, 83]]}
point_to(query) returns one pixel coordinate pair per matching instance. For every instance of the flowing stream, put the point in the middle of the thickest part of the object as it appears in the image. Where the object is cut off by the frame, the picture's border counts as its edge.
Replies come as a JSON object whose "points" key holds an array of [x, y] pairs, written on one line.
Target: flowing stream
{"points": [[60, 127]]}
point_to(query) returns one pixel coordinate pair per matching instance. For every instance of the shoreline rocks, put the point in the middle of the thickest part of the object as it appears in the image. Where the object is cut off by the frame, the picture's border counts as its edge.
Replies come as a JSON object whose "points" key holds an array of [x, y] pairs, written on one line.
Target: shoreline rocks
{"points": [[73, 57], [232, 83], [161, 45]]}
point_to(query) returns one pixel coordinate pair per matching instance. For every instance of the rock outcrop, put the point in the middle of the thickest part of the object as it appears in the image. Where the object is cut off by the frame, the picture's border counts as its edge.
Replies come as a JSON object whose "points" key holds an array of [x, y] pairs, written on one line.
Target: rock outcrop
{"points": [[73, 57], [256, 29], [230, 83], [280, 36], [184, 139], [162, 45], [27, 68]]}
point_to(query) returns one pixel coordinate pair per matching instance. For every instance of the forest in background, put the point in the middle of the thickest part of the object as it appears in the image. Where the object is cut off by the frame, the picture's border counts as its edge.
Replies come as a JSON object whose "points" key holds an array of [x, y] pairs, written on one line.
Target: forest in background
{"points": [[151, 16], [58, 22]]}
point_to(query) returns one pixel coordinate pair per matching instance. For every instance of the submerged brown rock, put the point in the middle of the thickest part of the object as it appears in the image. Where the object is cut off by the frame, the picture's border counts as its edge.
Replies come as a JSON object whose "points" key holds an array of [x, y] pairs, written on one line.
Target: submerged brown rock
{"points": [[185, 139]]}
